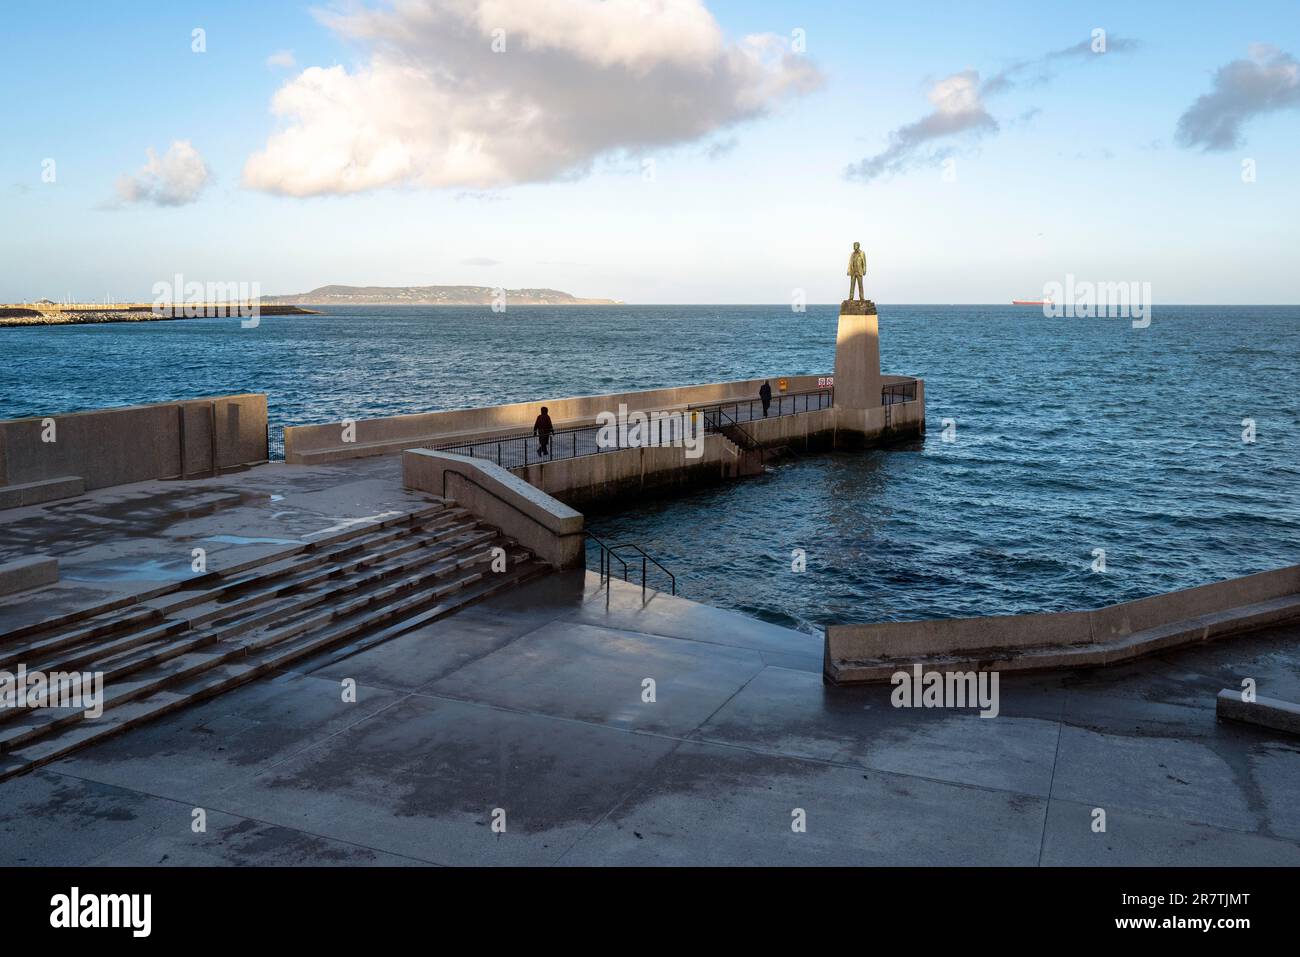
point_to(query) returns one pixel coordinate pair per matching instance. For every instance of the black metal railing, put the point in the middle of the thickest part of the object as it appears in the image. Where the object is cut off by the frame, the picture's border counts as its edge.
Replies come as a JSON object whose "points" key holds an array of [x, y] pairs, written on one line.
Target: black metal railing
{"points": [[609, 554], [788, 403], [662, 427], [718, 420], [898, 392]]}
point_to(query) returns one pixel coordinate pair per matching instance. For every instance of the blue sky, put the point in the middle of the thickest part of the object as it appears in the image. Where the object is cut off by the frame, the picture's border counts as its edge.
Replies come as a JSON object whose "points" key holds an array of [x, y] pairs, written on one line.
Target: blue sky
{"points": [[1083, 174]]}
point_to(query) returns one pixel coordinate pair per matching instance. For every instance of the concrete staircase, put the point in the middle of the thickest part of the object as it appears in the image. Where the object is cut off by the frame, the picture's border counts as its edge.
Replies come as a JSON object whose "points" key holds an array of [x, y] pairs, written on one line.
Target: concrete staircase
{"points": [[748, 453], [202, 637]]}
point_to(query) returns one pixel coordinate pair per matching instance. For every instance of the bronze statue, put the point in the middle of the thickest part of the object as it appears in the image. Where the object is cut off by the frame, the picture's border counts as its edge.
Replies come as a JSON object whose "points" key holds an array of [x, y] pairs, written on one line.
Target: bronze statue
{"points": [[857, 269]]}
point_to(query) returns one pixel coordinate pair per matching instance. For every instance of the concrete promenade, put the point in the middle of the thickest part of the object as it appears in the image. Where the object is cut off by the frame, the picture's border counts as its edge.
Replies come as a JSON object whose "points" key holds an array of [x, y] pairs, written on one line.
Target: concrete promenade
{"points": [[532, 702]]}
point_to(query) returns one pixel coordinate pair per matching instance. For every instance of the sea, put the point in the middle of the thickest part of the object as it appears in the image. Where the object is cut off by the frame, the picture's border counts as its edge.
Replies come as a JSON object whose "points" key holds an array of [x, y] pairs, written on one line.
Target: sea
{"points": [[1067, 463]]}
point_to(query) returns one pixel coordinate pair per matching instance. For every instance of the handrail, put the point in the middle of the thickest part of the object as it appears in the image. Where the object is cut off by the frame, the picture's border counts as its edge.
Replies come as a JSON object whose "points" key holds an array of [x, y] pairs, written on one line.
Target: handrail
{"points": [[644, 558], [753, 445], [735, 424], [904, 391], [606, 553]]}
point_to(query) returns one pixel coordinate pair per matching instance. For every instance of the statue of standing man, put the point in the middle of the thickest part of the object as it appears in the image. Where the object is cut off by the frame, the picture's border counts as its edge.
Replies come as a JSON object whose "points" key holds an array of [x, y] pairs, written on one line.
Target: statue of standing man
{"points": [[857, 269]]}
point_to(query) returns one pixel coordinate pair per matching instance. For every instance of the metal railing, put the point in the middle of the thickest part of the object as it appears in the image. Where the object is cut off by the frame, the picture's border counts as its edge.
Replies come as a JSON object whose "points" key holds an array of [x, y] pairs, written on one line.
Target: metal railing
{"points": [[524, 448], [610, 554], [898, 392], [787, 403]]}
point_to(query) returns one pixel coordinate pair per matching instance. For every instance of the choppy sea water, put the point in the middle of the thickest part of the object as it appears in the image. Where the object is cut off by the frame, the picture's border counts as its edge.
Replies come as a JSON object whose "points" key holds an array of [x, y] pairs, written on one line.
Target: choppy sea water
{"points": [[1070, 435]]}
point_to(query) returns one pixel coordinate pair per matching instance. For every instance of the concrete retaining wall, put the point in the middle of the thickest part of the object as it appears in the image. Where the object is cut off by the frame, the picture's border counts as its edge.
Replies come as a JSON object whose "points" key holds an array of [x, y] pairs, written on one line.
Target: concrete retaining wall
{"points": [[135, 443], [628, 473], [1107, 635], [549, 529], [607, 477], [313, 444]]}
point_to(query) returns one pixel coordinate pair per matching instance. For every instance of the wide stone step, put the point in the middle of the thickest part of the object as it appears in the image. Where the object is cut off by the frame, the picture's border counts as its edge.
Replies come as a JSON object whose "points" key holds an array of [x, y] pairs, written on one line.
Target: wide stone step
{"points": [[231, 576], [136, 652], [118, 622], [133, 706]]}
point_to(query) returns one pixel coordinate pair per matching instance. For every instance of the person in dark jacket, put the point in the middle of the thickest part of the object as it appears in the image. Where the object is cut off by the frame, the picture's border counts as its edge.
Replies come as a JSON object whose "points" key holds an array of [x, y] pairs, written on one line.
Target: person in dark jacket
{"points": [[765, 393], [543, 428]]}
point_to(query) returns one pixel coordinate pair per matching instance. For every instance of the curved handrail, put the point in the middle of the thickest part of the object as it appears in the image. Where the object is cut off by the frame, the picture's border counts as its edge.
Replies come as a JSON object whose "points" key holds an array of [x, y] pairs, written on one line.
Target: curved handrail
{"points": [[606, 570], [645, 556]]}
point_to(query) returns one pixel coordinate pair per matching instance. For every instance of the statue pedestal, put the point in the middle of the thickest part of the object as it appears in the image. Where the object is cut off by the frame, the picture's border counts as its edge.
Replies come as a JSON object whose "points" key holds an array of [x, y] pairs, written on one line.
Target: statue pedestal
{"points": [[857, 356]]}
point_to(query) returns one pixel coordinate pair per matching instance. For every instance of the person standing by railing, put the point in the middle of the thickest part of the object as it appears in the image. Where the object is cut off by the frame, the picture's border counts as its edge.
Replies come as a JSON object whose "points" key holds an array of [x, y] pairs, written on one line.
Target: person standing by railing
{"points": [[543, 428], [765, 393]]}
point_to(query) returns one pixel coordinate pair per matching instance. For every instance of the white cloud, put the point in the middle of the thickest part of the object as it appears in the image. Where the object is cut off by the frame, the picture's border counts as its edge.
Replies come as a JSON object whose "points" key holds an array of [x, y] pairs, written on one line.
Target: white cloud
{"points": [[174, 180], [435, 106], [1268, 81], [958, 108], [282, 58]]}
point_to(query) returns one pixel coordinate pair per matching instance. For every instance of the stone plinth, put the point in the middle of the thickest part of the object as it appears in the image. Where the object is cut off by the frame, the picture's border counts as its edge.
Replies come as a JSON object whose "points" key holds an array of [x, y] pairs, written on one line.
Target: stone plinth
{"points": [[857, 356]]}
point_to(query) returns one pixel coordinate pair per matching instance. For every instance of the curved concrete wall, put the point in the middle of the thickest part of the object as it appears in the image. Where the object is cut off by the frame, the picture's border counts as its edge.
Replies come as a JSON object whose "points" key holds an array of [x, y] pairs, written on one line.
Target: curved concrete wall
{"points": [[1069, 639]]}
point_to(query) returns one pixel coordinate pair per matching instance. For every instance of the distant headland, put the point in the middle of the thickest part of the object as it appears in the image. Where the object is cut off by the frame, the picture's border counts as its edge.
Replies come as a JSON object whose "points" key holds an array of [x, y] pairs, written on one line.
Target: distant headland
{"points": [[45, 312], [431, 296]]}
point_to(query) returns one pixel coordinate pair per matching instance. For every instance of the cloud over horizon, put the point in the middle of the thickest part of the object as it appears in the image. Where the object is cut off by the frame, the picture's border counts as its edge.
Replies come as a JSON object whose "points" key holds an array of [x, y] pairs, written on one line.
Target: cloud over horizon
{"points": [[1269, 80], [175, 179], [490, 93]]}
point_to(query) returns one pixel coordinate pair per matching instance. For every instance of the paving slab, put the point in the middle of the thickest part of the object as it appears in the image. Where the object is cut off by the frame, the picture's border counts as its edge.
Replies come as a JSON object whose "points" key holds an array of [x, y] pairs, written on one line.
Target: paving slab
{"points": [[195, 753], [711, 805], [424, 778], [589, 673], [794, 713], [54, 820], [1133, 839]]}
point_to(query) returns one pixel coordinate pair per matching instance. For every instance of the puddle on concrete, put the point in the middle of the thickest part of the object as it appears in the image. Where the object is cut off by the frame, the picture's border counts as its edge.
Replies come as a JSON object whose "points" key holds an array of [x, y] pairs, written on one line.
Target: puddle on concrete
{"points": [[242, 540], [129, 571], [349, 522]]}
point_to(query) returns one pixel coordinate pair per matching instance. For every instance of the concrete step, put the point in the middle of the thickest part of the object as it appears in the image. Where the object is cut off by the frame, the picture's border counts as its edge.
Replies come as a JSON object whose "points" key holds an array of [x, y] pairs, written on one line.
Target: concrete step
{"points": [[125, 669], [134, 652], [229, 576], [45, 490], [120, 621], [73, 733]]}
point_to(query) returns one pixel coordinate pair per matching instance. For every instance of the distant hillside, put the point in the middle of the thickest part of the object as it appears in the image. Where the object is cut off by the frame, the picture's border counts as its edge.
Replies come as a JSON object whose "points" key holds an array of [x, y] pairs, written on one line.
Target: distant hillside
{"points": [[430, 296]]}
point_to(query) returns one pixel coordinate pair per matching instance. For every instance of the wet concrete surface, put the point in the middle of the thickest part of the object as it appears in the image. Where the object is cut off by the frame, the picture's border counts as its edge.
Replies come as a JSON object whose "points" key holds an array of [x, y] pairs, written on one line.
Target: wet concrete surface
{"points": [[532, 709]]}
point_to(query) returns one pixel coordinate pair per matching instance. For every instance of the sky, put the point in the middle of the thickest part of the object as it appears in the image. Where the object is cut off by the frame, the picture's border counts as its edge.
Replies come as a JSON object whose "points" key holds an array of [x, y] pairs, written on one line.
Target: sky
{"points": [[652, 151]]}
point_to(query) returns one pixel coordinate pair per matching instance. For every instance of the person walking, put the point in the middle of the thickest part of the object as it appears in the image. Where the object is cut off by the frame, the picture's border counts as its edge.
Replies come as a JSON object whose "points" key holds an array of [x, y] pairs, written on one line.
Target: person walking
{"points": [[765, 393], [543, 428]]}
